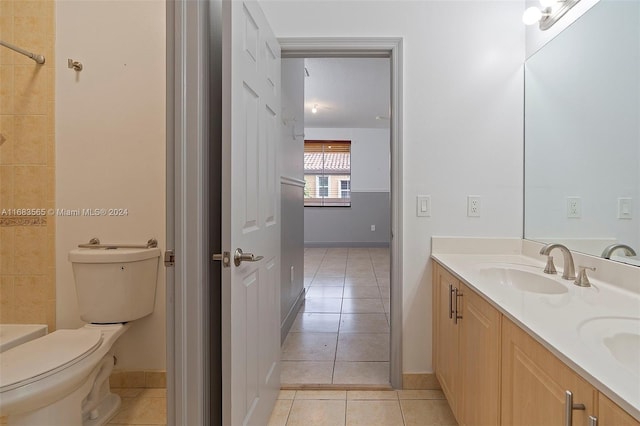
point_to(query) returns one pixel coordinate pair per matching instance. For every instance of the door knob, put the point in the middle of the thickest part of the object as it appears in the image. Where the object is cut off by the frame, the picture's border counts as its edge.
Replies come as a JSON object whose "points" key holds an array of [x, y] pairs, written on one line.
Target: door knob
{"points": [[239, 257]]}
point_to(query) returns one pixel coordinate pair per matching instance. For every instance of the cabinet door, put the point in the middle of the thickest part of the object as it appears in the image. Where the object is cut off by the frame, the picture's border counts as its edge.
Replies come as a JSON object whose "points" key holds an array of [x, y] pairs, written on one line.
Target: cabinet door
{"points": [[534, 382], [446, 336], [609, 414], [479, 361]]}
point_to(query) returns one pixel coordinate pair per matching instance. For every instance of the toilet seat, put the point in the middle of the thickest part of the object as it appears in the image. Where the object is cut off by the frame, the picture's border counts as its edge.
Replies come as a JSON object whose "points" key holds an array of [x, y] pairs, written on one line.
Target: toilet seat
{"points": [[45, 356]]}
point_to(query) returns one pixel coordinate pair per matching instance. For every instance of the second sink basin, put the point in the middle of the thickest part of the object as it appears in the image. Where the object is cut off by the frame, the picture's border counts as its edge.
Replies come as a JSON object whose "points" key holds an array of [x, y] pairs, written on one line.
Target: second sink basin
{"points": [[619, 336], [523, 280]]}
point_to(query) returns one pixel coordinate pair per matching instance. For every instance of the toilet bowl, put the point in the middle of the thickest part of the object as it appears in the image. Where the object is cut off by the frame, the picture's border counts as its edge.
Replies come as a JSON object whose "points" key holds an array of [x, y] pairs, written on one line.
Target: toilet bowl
{"points": [[62, 378], [49, 381]]}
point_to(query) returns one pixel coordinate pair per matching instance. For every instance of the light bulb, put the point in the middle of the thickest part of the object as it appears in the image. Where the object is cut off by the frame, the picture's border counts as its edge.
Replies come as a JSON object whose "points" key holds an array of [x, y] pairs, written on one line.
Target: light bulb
{"points": [[314, 109], [531, 16]]}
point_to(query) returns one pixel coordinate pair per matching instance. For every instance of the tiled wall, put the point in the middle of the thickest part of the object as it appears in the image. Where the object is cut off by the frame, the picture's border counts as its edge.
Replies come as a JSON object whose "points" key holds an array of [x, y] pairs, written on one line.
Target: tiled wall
{"points": [[27, 164]]}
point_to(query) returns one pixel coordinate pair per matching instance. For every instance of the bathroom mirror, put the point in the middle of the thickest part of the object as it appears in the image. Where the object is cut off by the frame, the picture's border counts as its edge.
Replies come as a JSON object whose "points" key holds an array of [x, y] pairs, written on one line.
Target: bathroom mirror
{"points": [[582, 133]]}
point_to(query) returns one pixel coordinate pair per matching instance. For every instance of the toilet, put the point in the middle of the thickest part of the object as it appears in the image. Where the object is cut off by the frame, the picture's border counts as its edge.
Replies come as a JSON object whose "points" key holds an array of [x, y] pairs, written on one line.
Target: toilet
{"points": [[62, 378]]}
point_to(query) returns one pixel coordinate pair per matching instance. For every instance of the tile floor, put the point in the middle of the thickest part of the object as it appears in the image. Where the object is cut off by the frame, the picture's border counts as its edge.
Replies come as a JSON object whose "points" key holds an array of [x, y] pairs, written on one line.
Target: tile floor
{"points": [[312, 408], [341, 334], [141, 407], [370, 408]]}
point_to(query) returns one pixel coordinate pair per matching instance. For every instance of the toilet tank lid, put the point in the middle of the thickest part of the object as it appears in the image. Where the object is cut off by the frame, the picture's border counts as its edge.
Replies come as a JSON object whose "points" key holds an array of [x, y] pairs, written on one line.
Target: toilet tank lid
{"points": [[40, 357], [99, 255]]}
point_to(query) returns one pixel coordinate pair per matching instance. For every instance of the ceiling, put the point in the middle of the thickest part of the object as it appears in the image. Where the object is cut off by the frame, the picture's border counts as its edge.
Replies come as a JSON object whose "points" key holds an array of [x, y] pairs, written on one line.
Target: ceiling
{"points": [[348, 92]]}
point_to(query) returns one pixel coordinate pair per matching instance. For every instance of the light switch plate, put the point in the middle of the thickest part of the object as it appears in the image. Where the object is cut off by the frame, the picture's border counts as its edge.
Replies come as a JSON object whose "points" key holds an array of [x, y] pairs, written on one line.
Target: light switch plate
{"points": [[625, 208], [423, 205]]}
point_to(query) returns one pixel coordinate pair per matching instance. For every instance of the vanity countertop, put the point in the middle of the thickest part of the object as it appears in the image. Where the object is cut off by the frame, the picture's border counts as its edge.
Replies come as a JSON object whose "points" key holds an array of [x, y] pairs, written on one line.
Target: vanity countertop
{"points": [[571, 324]]}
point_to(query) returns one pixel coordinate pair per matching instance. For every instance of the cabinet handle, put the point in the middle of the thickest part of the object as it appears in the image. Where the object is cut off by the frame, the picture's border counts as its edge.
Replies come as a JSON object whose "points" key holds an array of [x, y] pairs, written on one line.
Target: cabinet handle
{"points": [[457, 316], [450, 302], [593, 421], [569, 406]]}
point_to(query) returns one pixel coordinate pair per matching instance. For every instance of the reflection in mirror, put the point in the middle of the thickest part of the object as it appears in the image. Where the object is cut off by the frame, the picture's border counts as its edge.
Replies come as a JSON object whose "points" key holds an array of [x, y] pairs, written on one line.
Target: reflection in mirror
{"points": [[582, 134]]}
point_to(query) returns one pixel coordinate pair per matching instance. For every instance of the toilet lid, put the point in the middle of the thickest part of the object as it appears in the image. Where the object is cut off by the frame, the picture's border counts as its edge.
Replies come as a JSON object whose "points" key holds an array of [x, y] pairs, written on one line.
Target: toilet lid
{"points": [[44, 356]]}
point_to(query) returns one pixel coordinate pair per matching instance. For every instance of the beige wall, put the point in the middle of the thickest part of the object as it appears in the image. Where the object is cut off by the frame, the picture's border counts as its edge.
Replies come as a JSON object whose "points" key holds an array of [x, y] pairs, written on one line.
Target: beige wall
{"points": [[27, 164], [110, 128]]}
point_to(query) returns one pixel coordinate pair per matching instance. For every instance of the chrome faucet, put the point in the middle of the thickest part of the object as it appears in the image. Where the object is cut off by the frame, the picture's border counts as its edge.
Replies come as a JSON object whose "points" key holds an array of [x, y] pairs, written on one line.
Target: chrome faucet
{"points": [[628, 251], [568, 270]]}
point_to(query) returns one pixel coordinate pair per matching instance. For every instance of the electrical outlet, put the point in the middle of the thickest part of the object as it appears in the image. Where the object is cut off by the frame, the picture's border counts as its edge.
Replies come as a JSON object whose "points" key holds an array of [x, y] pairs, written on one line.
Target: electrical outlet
{"points": [[373, 228], [574, 207], [473, 206], [423, 206]]}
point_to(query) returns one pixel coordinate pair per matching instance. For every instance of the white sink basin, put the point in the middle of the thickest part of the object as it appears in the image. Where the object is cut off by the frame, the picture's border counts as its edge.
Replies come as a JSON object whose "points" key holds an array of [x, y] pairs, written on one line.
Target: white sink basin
{"points": [[618, 336], [523, 280]]}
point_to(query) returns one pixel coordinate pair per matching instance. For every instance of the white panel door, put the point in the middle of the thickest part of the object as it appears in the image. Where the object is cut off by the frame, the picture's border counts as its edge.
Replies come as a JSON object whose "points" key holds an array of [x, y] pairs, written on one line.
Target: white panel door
{"points": [[251, 209]]}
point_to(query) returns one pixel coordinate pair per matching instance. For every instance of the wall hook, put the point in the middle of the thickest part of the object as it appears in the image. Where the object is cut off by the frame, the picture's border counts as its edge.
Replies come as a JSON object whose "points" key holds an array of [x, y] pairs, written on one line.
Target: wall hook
{"points": [[74, 65]]}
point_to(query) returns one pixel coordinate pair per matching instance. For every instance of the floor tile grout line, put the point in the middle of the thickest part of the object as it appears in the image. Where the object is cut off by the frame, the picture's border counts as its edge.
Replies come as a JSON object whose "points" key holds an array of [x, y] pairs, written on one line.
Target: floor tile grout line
{"points": [[345, 409], [335, 358], [290, 409], [404, 420]]}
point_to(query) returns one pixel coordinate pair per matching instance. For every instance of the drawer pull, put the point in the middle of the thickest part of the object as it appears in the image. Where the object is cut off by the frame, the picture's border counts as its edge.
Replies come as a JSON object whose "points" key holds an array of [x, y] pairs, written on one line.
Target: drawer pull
{"points": [[569, 406], [457, 315], [450, 302]]}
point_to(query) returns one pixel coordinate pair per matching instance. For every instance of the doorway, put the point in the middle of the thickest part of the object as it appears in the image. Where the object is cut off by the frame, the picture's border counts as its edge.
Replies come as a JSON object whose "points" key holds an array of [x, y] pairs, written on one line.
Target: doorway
{"points": [[189, 391], [366, 48], [340, 334]]}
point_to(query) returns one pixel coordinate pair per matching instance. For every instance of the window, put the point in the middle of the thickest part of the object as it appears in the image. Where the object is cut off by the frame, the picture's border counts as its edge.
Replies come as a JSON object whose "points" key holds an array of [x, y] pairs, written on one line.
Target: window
{"points": [[322, 186], [345, 189], [327, 173]]}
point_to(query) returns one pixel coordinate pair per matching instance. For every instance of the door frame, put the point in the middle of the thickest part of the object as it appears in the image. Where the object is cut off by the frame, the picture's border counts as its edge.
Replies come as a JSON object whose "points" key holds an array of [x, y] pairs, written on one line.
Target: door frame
{"points": [[388, 47], [194, 131]]}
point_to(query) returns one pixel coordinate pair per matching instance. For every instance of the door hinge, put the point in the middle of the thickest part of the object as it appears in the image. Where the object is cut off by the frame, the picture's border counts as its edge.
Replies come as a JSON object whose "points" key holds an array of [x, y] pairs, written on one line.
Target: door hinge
{"points": [[224, 257], [169, 258]]}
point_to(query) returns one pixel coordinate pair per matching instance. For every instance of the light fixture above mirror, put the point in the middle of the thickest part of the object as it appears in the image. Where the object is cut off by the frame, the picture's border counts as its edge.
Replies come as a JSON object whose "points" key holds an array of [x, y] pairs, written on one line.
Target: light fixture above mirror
{"points": [[548, 14]]}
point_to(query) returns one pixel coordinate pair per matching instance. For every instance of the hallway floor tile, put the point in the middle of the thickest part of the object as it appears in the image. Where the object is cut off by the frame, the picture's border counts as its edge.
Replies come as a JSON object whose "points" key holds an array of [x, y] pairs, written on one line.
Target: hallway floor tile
{"points": [[344, 320], [370, 408]]}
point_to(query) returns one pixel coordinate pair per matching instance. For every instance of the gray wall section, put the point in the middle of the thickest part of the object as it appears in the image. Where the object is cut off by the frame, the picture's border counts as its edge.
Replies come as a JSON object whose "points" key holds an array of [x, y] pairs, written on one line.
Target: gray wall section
{"points": [[350, 226], [292, 184], [291, 291]]}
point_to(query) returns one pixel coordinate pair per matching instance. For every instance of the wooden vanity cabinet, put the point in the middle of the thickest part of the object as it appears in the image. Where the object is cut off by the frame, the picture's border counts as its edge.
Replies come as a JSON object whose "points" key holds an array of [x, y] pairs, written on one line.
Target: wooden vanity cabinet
{"points": [[445, 331], [494, 373], [610, 414], [466, 350], [479, 357], [534, 384]]}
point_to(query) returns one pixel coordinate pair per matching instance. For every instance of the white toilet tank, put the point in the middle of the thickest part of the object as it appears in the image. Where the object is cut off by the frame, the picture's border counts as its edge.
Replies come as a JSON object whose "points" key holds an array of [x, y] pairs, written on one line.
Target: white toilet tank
{"points": [[115, 285]]}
